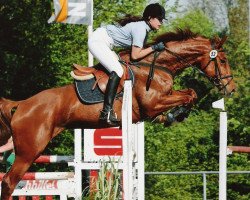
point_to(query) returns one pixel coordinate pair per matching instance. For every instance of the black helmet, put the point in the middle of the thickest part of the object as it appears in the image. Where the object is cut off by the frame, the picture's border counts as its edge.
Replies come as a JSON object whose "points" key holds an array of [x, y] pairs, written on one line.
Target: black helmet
{"points": [[154, 10]]}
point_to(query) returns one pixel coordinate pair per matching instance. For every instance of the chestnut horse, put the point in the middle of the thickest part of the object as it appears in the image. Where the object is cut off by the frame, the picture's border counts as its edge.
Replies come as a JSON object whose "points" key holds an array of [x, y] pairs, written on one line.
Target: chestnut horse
{"points": [[35, 121]]}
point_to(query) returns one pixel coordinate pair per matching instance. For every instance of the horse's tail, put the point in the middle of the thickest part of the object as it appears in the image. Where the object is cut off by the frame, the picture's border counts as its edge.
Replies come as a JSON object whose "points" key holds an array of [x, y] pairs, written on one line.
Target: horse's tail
{"points": [[6, 109]]}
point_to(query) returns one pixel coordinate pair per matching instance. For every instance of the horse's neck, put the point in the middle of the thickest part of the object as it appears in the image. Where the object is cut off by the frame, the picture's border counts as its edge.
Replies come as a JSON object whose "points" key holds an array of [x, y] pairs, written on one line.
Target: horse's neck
{"points": [[184, 54], [181, 54]]}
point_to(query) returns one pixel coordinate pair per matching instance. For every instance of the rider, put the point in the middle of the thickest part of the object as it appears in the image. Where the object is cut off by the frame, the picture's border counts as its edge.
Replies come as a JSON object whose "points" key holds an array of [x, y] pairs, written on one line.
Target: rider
{"points": [[8, 153], [131, 33]]}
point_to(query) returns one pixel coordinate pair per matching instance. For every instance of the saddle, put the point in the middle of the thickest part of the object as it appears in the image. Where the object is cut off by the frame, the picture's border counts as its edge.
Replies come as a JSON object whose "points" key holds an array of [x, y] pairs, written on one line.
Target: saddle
{"points": [[81, 73]]}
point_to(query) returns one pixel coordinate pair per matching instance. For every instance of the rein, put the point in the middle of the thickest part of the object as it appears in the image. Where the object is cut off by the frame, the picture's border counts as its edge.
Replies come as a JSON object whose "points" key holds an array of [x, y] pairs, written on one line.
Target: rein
{"points": [[217, 80]]}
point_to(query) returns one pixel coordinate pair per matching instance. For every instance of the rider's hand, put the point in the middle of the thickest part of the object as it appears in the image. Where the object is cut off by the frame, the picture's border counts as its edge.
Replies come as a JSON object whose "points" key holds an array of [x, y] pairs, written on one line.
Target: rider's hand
{"points": [[158, 47]]}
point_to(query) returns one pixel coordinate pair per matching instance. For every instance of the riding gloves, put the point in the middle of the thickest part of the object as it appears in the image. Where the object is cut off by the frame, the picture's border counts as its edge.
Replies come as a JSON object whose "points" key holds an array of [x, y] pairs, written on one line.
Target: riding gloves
{"points": [[158, 47]]}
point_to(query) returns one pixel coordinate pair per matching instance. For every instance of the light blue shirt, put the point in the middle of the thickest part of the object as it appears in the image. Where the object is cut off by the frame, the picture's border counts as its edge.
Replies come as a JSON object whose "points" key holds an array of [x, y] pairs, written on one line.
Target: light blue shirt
{"points": [[133, 33]]}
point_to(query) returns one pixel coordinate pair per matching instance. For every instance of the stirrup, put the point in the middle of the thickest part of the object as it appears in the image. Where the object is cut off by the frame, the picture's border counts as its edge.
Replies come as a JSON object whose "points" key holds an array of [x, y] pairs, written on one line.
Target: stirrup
{"points": [[109, 117]]}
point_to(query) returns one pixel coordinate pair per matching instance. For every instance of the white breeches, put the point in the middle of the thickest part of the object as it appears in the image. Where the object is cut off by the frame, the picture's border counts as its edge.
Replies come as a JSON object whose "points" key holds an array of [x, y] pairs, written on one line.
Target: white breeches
{"points": [[100, 44]]}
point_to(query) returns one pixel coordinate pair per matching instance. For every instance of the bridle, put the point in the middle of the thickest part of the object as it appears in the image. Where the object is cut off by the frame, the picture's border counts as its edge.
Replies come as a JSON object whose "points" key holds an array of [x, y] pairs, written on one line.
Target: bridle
{"points": [[217, 80]]}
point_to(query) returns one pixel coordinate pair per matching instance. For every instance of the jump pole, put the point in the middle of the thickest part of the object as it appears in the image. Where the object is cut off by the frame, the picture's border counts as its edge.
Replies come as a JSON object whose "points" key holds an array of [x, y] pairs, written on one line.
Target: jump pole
{"points": [[77, 163], [44, 176], [237, 149], [133, 159], [78, 132], [127, 142], [222, 150], [54, 159], [139, 165]]}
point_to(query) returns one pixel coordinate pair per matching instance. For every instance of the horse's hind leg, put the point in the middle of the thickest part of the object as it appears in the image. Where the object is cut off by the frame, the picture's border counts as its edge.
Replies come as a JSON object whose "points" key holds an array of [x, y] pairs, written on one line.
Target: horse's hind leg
{"points": [[17, 171], [10, 180], [28, 146]]}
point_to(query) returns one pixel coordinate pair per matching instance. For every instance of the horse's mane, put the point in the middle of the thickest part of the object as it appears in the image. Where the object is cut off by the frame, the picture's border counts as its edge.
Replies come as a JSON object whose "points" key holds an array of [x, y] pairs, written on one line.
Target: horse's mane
{"points": [[178, 35]]}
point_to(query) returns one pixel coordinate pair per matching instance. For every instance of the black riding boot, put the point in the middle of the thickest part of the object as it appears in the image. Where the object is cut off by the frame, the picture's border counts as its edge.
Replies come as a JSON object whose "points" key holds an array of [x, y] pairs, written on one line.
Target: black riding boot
{"points": [[107, 114], [177, 114]]}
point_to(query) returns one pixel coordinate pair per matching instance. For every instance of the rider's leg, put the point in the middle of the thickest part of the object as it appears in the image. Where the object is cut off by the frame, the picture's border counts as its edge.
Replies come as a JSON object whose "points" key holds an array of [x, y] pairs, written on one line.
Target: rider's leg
{"points": [[100, 45], [107, 114]]}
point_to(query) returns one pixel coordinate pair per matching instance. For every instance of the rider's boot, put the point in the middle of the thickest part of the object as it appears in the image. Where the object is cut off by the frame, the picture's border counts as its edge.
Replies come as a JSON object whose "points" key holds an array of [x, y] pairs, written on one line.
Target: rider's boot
{"points": [[107, 114], [177, 114]]}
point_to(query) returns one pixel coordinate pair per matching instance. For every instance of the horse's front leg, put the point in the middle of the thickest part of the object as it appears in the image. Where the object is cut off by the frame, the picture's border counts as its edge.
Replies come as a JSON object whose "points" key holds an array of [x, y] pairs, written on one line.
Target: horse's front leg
{"points": [[181, 100]]}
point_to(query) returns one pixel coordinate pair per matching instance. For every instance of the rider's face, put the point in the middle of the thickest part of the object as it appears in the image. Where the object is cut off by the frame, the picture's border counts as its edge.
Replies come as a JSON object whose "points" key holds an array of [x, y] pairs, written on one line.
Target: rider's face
{"points": [[155, 23]]}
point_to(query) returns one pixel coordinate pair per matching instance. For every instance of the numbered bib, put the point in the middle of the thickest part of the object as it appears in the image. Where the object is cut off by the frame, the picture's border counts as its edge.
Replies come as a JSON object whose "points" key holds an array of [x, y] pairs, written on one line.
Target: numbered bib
{"points": [[213, 54]]}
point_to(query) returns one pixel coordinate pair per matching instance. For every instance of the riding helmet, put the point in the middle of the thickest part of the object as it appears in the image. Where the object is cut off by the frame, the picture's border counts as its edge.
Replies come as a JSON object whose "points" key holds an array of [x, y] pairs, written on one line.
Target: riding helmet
{"points": [[154, 10]]}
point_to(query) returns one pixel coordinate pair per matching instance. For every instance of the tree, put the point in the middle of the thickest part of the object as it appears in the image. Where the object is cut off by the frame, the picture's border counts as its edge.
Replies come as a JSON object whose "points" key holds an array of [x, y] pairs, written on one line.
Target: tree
{"points": [[35, 55]]}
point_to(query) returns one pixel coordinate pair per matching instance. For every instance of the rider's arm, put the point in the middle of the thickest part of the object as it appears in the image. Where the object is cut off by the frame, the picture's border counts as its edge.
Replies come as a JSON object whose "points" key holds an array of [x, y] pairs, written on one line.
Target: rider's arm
{"points": [[8, 146], [138, 52]]}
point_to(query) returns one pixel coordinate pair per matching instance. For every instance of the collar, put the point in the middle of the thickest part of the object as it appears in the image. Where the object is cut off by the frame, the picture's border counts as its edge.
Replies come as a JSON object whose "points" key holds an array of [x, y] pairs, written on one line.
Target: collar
{"points": [[148, 27]]}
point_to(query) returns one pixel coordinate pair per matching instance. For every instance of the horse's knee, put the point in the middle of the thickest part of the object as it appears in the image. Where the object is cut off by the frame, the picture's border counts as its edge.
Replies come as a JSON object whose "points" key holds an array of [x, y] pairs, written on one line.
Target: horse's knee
{"points": [[193, 94], [188, 100]]}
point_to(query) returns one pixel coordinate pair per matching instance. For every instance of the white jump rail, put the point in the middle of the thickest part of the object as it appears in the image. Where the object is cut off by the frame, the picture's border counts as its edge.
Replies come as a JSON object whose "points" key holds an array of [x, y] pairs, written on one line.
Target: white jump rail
{"points": [[222, 150], [132, 161]]}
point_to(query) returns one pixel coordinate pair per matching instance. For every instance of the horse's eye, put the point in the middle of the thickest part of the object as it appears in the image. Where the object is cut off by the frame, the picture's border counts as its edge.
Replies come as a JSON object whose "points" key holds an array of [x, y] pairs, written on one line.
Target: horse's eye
{"points": [[223, 61]]}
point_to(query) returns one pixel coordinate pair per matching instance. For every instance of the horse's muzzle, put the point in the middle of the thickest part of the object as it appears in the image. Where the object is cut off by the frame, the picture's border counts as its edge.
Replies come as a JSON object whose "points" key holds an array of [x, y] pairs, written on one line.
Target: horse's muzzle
{"points": [[229, 91]]}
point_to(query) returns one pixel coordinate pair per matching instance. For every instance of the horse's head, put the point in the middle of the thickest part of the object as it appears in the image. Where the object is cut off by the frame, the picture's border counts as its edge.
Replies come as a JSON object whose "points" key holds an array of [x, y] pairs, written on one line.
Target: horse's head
{"points": [[216, 67], [185, 48]]}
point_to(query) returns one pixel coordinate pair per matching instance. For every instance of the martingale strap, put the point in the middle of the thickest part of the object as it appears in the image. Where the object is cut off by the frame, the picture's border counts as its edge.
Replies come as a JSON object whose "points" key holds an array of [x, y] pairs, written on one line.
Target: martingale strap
{"points": [[152, 66], [151, 71]]}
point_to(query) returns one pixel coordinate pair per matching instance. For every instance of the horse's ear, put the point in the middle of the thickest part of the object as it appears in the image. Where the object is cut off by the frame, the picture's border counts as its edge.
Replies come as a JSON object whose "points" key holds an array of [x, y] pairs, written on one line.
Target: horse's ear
{"points": [[222, 41]]}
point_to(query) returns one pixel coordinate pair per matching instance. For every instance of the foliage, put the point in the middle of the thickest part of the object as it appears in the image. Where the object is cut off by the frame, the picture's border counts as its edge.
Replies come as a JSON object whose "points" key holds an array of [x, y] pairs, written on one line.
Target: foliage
{"points": [[193, 144], [107, 186], [188, 146], [197, 21]]}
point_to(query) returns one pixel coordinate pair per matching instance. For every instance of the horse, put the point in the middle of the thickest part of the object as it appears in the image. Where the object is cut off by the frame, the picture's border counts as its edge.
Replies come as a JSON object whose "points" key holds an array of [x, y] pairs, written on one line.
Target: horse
{"points": [[35, 121]]}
